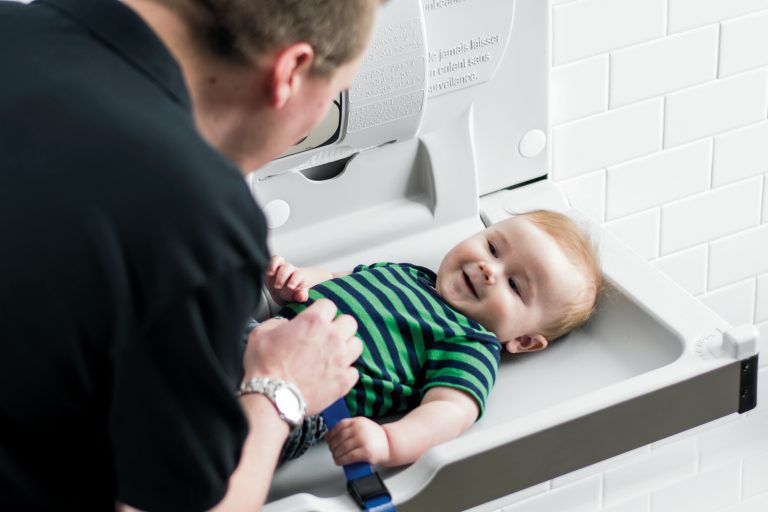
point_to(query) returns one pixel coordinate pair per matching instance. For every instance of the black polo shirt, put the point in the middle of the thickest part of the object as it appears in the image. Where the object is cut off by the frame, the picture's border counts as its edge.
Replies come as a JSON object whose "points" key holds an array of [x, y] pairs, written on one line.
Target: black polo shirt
{"points": [[131, 254]]}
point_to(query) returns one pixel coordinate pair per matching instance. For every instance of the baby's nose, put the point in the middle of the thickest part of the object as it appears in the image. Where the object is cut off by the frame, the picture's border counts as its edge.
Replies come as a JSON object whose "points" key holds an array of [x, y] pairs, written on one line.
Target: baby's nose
{"points": [[488, 273]]}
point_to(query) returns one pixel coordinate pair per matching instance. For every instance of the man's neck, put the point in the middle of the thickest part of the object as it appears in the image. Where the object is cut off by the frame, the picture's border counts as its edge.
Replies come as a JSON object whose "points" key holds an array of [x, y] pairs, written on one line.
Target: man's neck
{"points": [[218, 89], [171, 29]]}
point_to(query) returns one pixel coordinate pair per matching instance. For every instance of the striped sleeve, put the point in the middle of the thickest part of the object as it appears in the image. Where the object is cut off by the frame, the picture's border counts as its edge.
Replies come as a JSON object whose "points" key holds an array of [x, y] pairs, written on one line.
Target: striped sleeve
{"points": [[465, 365], [361, 268], [292, 309]]}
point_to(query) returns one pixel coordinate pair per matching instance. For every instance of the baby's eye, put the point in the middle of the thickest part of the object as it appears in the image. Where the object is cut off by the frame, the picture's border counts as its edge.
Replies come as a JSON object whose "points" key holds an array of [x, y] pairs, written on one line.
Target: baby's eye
{"points": [[492, 248], [513, 285]]}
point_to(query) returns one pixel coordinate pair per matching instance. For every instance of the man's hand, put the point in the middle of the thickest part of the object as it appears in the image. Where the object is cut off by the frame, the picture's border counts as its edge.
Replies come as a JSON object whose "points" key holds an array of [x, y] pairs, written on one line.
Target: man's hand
{"points": [[358, 439], [286, 282], [314, 351]]}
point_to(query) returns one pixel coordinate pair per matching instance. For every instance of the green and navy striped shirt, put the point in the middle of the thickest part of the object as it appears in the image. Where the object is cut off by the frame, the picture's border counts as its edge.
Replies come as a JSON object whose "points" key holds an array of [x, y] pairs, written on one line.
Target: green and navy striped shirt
{"points": [[413, 340]]}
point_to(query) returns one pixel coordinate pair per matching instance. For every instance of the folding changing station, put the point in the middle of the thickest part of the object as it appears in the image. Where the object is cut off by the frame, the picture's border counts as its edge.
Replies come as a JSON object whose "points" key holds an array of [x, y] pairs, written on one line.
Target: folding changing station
{"points": [[445, 129]]}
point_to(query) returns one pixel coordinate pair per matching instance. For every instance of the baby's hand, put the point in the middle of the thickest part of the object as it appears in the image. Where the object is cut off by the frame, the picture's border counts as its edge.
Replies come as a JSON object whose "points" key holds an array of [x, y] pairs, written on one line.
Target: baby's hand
{"points": [[285, 281], [358, 439]]}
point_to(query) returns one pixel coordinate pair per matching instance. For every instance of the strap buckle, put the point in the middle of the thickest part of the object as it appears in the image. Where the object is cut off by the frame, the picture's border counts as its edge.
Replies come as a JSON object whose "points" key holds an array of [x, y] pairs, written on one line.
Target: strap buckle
{"points": [[367, 488]]}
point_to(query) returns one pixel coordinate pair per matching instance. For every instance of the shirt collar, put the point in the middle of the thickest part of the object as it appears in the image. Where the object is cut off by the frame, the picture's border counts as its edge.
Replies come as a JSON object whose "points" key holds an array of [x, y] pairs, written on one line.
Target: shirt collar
{"points": [[117, 26]]}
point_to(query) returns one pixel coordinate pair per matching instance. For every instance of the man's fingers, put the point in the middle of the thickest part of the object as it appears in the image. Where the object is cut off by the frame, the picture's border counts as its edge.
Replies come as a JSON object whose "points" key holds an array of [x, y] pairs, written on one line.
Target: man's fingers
{"points": [[345, 325], [323, 309], [267, 325], [316, 352], [350, 377]]}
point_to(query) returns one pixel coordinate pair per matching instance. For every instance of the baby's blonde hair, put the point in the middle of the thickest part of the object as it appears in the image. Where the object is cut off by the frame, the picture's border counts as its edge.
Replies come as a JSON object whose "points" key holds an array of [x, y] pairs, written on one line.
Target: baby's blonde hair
{"points": [[579, 249]]}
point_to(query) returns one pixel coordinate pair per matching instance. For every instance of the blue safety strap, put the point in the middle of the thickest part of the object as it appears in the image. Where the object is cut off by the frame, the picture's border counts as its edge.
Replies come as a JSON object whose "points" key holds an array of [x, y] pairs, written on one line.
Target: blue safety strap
{"points": [[363, 483]]}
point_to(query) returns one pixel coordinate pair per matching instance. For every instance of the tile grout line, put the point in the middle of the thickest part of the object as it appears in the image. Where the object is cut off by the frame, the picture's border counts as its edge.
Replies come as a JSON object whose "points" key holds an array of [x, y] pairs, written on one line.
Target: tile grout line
{"points": [[754, 302], [763, 198], [601, 494], [658, 236], [697, 442], [719, 50], [741, 480], [707, 265], [608, 83], [711, 177]]}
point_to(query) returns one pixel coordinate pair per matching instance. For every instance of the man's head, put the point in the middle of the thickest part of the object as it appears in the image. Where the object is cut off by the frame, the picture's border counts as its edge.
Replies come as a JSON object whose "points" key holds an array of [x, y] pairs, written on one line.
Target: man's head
{"points": [[529, 279], [262, 73], [246, 30]]}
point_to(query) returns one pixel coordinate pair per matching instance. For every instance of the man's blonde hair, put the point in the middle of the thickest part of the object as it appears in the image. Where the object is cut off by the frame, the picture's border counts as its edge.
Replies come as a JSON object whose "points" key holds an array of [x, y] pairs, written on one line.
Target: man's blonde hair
{"points": [[579, 249], [242, 30]]}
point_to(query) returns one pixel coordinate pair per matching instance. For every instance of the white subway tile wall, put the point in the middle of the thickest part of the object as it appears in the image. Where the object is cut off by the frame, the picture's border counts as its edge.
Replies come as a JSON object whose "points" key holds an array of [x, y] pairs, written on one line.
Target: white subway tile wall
{"points": [[660, 132], [740, 38], [764, 218], [735, 303], [738, 256], [640, 232], [685, 14], [652, 470], [762, 346], [640, 504], [633, 187], [605, 139], [582, 496], [587, 194], [653, 69], [579, 89], [706, 492], [590, 27], [688, 268], [715, 107], [756, 504], [733, 440], [740, 154], [755, 474], [710, 215], [761, 303], [496, 505]]}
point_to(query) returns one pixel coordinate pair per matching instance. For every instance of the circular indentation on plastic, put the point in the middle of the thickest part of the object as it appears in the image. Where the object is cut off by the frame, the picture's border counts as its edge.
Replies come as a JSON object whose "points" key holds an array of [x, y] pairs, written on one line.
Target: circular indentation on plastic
{"points": [[532, 143], [277, 213]]}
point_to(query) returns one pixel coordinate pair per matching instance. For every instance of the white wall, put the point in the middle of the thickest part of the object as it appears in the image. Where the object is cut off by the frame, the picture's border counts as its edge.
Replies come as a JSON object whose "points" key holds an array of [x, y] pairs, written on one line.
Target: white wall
{"points": [[660, 132]]}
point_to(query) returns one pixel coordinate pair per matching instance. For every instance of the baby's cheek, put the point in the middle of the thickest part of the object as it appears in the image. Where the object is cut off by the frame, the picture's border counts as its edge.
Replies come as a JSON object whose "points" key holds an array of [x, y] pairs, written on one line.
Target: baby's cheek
{"points": [[502, 320]]}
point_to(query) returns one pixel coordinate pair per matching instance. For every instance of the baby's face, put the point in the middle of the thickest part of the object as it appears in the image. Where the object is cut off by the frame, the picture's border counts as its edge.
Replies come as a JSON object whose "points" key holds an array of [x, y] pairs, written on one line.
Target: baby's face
{"points": [[512, 278]]}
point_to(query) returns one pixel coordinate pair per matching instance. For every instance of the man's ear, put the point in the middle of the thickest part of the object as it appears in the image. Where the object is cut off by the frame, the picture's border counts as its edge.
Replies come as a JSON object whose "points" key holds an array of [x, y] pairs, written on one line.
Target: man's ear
{"points": [[290, 66], [526, 344]]}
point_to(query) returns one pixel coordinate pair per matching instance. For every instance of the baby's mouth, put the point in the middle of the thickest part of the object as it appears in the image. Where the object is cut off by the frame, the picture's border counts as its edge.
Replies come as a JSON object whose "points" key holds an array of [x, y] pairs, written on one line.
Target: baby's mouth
{"points": [[468, 282]]}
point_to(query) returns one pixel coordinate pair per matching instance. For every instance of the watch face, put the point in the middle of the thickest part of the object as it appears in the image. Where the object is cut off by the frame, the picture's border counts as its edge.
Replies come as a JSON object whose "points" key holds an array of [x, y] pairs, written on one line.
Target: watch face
{"points": [[288, 404]]}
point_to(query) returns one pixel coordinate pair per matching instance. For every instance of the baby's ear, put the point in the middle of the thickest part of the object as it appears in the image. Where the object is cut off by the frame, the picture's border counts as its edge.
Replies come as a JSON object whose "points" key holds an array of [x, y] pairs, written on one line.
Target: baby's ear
{"points": [[526, 344]]}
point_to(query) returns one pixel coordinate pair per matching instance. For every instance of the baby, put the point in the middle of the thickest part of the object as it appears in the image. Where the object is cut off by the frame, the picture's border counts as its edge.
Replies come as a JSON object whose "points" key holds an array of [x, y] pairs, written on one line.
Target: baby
{"points": [[432, 342]]}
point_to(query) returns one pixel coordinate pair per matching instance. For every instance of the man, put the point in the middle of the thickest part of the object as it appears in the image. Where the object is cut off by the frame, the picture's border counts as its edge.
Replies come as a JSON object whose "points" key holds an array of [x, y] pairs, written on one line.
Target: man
{"points": [[132, 252]]}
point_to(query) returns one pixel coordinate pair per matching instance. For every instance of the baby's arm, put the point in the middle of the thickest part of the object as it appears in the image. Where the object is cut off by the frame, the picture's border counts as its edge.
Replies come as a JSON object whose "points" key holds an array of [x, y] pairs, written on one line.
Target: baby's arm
{"points": [[444, 413], [287, 282]]}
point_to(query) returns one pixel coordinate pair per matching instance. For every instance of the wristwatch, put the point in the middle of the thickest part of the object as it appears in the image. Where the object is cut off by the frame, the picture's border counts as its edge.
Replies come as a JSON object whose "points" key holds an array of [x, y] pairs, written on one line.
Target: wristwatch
{"points": [[284, 395]]}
